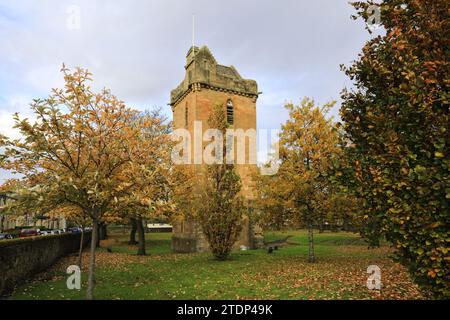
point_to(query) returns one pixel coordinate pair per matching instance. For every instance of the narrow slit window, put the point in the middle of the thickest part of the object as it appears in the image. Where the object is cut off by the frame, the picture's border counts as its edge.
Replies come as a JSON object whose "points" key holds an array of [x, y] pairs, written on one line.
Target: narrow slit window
{"points": [[230, 112], [186, 115]]}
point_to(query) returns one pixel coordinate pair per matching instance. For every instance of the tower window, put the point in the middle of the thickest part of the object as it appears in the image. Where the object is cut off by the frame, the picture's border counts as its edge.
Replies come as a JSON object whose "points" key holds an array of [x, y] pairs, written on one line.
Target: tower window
{"points": [[230, 112], [186, 115]]}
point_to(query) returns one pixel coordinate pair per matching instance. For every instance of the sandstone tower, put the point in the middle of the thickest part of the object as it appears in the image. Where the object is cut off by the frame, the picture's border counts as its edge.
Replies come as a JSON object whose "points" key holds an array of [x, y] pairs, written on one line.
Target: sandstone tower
{"points": [[205, 85]]}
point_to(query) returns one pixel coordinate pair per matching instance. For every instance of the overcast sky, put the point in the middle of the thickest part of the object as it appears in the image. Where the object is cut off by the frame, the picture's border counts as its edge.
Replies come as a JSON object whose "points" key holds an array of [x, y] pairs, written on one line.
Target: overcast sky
{"points": [[292, 48]]}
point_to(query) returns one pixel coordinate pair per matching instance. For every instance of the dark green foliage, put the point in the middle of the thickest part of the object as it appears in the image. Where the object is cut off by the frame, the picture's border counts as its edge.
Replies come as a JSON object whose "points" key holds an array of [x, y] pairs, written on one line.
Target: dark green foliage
{"points": [[396, 122]]}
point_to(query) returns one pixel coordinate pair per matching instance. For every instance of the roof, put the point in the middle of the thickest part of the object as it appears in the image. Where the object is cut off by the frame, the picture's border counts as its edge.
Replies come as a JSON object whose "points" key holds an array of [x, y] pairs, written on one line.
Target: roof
{"points": [[202, 68]]}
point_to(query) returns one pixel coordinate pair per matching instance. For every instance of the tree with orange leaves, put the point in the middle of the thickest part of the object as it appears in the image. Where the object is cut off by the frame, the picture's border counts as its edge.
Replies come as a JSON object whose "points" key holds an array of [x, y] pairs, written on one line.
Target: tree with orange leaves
{"points": [[79, 152], [149, 171], [301, 190]]}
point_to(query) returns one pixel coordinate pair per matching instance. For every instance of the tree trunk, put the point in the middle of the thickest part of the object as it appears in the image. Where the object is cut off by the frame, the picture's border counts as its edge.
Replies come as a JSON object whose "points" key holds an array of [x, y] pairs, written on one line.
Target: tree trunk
{"points": [[97, 238], [133, 232], [311, 257], [101, 235], [141, 235], [102, 232], [80, 252], [91, 281]]}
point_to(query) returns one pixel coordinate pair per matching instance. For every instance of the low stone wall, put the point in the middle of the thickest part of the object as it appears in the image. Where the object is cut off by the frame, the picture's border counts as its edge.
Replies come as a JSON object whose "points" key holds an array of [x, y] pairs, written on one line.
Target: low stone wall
{"points": [[160, 229], [22, 258]]}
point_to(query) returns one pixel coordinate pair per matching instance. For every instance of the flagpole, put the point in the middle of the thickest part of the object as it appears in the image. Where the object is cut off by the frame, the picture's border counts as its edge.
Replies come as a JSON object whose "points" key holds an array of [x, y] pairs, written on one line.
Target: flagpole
{"points": [[193, 31], [193, 38]]}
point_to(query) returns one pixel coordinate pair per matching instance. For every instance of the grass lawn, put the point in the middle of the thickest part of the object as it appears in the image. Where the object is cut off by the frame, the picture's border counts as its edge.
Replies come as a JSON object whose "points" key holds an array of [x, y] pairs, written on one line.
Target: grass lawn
{"points": [[339, 273]]}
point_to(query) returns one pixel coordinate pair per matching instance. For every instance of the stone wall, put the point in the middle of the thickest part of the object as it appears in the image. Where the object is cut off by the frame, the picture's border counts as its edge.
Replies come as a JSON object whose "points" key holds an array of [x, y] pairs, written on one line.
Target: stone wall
{"points": [[22, 258]]}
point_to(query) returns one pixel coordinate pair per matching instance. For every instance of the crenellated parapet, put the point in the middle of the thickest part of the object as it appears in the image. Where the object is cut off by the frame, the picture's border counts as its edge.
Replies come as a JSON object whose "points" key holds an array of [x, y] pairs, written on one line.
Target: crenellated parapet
{"points": [[203, 71]]}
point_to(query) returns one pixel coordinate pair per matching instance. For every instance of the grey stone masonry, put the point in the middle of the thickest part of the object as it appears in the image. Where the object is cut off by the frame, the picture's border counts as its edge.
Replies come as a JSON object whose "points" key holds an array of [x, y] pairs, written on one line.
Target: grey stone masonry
{"points": [[202, 69]]}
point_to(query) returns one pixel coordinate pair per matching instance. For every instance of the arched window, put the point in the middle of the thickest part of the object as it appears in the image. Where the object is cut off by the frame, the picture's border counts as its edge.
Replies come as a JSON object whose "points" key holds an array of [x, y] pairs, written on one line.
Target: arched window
{"points": [[230, 112], [186, 115]]}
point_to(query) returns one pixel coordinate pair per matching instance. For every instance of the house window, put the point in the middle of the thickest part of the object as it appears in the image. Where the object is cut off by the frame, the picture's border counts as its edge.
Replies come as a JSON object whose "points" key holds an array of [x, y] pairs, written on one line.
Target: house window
{"points": [[230, 112], [186, 115]]}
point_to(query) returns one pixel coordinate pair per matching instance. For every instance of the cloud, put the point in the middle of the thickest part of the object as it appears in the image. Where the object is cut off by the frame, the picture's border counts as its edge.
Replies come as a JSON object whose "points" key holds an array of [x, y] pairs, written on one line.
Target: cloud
{"points": [[137, 48], [8, 107]]}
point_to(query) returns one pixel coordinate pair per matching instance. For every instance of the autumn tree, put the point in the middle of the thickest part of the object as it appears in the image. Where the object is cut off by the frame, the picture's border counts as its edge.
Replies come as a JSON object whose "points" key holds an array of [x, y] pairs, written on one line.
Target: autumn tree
{"points": [[21, 196], [308, 142], [75, 215], [148, 173], [219, 206], [271, 204], [27, 197], [133, 230], [81, 148], [183, 193], [396, 120], [146, 199]]}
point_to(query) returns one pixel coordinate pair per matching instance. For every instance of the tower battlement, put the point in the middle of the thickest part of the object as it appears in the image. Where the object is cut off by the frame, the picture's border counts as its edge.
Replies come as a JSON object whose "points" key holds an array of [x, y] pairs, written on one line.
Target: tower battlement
{"points": [[203, 70]]}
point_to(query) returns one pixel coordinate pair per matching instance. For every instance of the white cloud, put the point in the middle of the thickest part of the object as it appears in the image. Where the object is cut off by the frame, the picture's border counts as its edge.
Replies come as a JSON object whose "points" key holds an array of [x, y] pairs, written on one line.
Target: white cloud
{"points": [[137, 48], [6, 125], [10, 106]]}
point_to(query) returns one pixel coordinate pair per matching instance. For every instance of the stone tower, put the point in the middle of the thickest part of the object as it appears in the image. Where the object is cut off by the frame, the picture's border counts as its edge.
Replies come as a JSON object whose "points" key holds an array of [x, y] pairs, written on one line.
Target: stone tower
{"points": [[207, 84]]}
